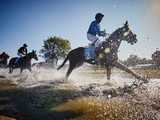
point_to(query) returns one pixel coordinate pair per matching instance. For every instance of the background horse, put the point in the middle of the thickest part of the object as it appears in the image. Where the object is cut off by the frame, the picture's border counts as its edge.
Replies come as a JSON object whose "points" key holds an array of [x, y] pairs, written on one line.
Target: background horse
{"points": [[23, 62], [3, 59], [106, 52]]}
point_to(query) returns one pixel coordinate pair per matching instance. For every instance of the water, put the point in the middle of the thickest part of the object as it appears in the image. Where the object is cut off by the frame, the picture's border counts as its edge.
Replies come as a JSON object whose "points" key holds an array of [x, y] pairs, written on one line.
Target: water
{"points": [[80, 77]]}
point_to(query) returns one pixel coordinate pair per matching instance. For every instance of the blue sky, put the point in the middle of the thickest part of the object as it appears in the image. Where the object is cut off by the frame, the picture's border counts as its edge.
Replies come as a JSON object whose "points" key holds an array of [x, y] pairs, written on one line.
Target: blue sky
{"points": [[32, 21]]}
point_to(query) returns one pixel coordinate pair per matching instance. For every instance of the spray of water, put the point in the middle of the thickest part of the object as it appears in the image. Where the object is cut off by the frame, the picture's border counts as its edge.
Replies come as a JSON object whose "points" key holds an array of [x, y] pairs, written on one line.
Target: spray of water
{"points": [[78, 79]]}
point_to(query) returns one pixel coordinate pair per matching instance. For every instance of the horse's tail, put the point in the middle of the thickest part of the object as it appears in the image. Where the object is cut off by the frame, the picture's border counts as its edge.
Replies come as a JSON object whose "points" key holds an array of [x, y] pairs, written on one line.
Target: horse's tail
{"points": [[63, 63]]}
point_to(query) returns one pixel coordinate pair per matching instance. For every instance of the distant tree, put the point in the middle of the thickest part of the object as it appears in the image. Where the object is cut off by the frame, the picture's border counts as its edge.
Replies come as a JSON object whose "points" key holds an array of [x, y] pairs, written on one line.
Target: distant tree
{"points": [[133, 60], [156, 57], [55, 48]]}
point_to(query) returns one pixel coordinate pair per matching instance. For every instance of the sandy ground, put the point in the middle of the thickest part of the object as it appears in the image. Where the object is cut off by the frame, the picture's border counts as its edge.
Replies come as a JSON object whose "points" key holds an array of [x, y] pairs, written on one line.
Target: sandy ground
{"points": [[33, 95]]}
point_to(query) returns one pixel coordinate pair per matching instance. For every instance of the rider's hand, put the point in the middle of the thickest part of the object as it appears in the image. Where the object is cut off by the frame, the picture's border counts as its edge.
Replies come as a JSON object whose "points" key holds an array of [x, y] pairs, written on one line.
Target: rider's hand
{"points": [[107, 34], [103, 33]]}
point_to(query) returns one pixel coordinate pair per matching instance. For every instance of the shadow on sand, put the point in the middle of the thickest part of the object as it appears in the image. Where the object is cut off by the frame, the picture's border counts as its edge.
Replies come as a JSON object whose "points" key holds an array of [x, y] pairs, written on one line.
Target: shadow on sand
{"points": [[35, 103]]}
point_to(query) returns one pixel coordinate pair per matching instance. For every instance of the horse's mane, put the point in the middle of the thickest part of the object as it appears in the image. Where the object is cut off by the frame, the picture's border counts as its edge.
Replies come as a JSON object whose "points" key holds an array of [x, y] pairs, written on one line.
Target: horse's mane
{"points": [[28, 55], [113, 36]]}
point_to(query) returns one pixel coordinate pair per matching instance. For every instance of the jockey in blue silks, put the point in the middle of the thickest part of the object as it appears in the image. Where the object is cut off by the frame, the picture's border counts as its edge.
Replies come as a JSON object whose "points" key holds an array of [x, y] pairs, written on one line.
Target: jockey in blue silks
{"points": [[94, 30], [93, 35]]}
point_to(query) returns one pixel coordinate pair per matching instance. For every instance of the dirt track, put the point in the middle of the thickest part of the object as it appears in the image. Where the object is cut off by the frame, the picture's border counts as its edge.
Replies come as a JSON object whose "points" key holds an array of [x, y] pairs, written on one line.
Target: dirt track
{"points": [[33, 96]]}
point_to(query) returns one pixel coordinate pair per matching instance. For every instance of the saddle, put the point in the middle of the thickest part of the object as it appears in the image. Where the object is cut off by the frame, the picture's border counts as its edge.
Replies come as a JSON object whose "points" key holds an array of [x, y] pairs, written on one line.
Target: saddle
{"points": [[91, 52], [101, 54]]}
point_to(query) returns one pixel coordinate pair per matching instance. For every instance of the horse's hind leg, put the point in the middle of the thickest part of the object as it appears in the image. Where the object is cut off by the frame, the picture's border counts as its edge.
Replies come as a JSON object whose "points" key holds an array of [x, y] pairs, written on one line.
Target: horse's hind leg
{"points": [[10, 69], [29, 68], [70, 69]]}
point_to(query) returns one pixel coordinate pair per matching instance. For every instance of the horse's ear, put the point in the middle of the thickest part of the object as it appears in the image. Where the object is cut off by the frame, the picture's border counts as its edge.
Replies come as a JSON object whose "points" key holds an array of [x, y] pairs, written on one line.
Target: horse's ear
{"points": [[126, 23], [32, 51]]}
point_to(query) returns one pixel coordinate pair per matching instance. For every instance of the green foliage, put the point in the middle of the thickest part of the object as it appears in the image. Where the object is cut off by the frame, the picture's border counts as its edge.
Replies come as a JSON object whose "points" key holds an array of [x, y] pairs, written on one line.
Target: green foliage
{"points": [[56, 46]]}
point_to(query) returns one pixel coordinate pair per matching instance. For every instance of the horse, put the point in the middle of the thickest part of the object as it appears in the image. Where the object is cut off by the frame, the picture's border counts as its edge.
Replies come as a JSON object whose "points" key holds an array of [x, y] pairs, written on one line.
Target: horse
{"points": [[106, 54], [3, 59], [23, 62]]}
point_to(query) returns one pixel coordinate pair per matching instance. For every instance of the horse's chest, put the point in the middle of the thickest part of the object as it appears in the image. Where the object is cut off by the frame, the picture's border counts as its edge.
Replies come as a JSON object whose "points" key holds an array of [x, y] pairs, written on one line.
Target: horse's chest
{"points": [[107, 56]]}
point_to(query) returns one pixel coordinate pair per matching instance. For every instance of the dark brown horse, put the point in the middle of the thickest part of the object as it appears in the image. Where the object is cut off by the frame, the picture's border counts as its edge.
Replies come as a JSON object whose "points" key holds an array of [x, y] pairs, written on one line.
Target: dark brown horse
{"points": [[3, 59], [23, 62], [106, 53]]}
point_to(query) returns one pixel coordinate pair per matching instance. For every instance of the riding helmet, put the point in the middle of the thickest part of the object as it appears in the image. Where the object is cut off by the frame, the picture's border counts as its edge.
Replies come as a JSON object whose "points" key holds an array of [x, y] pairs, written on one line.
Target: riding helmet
{"points": [[98, 16], [25, 45]]}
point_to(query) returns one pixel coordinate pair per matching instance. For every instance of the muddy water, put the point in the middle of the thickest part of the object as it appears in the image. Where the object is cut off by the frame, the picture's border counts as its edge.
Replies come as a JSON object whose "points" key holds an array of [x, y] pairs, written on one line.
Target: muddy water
{"points": [[80, 77], [34, 95]]}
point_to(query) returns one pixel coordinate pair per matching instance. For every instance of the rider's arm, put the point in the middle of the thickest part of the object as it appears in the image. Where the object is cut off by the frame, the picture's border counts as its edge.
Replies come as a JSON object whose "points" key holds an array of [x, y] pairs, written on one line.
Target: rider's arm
{"points": [[102, 33], [26, 51], [95, 29], [99, 32]]}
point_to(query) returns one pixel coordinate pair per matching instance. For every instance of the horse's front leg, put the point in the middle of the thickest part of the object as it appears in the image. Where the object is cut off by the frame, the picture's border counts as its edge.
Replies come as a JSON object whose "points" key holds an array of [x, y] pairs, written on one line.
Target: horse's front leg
{"points": [[21, 70], [126, 69], [56, 61], [108, 69], [29, 68], [10, 69]]}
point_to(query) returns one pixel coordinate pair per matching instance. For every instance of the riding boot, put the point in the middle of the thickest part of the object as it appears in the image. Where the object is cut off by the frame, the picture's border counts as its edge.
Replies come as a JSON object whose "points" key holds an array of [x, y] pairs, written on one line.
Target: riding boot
{"points": [[16, 61], [91, 61]]}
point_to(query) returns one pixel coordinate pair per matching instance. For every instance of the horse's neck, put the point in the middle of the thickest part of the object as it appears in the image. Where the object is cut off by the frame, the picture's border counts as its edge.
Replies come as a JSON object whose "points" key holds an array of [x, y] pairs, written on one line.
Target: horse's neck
{"points": [[114, 40], [28, 56], [118, 42]]}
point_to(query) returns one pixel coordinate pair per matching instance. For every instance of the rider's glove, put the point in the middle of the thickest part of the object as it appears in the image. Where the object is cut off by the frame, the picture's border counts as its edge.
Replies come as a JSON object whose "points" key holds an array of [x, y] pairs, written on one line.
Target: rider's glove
{"points": [[103, 33]]}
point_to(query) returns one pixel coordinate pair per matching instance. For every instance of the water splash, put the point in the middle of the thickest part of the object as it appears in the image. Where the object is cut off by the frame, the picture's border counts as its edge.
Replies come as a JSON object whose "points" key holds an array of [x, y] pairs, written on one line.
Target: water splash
{"points": [[79, 78]]}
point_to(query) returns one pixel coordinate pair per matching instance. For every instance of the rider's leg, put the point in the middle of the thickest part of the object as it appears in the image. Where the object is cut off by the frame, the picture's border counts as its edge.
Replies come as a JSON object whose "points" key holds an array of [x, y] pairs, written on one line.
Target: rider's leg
{"points": [[16, 61], [20, 55], [93, 39]]}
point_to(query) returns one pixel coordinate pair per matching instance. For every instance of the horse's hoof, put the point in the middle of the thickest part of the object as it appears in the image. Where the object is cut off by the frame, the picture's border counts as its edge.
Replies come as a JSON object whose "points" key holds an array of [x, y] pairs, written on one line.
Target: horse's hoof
{"points": [[65, 80], [145, 81]]}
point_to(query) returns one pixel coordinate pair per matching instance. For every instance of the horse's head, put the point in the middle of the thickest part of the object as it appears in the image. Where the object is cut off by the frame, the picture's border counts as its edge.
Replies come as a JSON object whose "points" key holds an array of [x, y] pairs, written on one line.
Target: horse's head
{"points": [[112, 43], [5, 55], [34, 55], [127, 34]]}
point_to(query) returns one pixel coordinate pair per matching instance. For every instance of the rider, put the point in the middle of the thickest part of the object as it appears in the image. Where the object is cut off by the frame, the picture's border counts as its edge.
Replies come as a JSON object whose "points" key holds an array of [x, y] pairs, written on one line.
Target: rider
{"points": [[22, 51], [94, 31]]}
